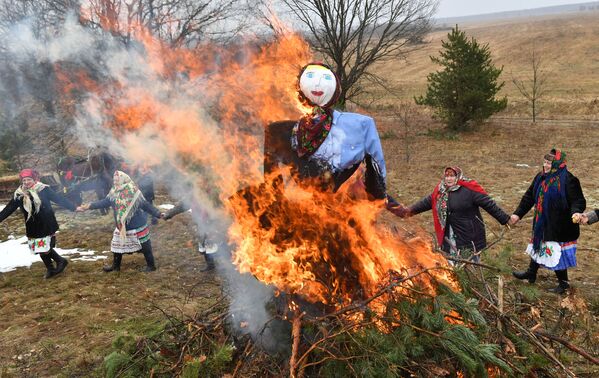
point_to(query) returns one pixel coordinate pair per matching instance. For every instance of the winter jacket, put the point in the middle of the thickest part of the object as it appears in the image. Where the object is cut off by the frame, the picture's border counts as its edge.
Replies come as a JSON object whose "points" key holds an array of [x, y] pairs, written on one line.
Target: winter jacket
{"points": [[43, 223], [139, 219], [560, 227], [463, 215]]}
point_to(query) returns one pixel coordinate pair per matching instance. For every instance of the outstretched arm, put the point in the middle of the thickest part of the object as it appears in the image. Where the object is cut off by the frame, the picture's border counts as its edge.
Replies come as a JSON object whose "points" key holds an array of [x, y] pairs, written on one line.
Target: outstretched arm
{"points": [[425, 204], [376, 170], [101, 204], [527, 201], [60, 200], [150, 209], [491, 207], [9, 209]]}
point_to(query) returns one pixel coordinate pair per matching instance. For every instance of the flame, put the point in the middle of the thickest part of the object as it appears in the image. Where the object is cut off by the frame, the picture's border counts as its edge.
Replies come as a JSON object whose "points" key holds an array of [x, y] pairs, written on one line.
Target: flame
{"points": [[209, 106]]}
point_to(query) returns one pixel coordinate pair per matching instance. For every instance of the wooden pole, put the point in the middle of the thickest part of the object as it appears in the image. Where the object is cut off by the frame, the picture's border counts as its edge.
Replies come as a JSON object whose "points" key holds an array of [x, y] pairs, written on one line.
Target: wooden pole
{"points": [[296, 331]]}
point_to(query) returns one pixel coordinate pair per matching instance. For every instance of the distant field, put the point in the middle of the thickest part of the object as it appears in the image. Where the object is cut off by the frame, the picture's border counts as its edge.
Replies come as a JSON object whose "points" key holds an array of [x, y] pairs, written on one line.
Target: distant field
{"points": [[568, 45]]}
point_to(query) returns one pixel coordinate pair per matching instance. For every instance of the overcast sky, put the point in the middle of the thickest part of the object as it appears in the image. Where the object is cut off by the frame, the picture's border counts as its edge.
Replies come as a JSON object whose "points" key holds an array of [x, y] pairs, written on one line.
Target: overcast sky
{"points": [[453, 8]]}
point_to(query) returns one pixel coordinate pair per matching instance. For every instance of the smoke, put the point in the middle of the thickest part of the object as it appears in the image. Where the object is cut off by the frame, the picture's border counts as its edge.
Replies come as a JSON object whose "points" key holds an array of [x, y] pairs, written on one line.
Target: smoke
{"points": [[197, 116]]}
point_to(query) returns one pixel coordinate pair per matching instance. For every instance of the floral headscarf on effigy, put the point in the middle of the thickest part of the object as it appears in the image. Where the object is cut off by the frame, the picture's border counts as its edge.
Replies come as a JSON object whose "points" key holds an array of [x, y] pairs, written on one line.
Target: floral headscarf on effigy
{"points": [[30, 193], [549, 189], [440, 197], [126, 196], [318, 87]]}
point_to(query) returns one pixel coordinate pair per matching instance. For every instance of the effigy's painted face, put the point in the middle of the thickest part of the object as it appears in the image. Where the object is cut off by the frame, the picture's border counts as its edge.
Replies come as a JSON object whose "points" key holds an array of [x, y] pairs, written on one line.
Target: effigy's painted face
{"points": [[318, 84]]}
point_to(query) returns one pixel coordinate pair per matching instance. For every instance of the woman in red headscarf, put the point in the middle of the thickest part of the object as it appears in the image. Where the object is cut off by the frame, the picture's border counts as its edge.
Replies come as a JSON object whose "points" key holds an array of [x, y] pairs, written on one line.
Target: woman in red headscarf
{"points": [[456, 203], [34, 198]]}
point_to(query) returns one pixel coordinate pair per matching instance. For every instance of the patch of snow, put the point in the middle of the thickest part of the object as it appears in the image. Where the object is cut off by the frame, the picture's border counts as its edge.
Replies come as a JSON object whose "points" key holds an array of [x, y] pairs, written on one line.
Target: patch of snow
{"points": [[166, 206], [15, 253], [523, 165], [2, 207]]}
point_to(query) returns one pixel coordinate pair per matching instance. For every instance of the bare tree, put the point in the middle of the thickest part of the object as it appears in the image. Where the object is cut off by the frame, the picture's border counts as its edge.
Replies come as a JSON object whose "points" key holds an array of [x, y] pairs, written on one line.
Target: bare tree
{"points": [[406, 114], [534, 87], [177, 22], [352, 35]]}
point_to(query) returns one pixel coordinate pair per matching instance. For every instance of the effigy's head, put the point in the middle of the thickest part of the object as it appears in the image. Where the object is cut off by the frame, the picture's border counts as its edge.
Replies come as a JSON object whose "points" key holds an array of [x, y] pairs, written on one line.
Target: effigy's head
{"points": [[318, 85]]}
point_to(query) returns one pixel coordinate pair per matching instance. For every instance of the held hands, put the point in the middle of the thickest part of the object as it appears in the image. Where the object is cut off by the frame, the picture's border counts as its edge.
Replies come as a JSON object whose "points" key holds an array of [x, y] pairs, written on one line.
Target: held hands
{"points": [[581, 218], [398, 209], [82, 208], [513, 220]]}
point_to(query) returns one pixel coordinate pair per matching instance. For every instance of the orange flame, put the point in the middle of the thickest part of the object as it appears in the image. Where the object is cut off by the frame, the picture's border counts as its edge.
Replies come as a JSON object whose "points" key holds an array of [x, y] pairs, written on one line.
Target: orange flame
{"points": [[327, 248]]}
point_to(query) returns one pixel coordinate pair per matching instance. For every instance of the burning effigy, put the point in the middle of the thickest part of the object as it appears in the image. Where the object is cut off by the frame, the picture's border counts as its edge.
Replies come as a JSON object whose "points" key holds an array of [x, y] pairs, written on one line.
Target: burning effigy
{"points": [[311, 228]]}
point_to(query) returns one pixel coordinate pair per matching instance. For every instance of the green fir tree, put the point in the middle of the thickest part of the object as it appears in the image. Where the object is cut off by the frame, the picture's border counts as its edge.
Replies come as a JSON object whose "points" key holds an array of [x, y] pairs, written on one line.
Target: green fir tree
{"points": [[463, 93]]}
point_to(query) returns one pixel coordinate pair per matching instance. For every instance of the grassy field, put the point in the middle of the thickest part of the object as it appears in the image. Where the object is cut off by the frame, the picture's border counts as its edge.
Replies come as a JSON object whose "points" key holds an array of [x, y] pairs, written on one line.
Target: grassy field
{"points": [[65, 326], [568, 48]]}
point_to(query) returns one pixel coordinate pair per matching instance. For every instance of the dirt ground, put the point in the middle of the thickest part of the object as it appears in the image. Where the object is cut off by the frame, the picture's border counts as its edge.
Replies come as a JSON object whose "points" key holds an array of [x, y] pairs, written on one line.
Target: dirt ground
{"points": [[64, 326]]}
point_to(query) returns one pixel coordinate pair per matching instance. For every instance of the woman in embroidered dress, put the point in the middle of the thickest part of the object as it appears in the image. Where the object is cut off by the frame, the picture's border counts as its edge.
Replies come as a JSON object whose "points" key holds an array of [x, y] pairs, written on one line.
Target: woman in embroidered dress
{"points": [[34, 198], [556, 196], [456, 203], [132, 233]]}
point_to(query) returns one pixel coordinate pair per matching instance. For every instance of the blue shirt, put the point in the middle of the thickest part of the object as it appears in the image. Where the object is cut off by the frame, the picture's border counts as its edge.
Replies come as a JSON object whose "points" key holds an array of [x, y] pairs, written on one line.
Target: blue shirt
{"points": [[352, 137]]}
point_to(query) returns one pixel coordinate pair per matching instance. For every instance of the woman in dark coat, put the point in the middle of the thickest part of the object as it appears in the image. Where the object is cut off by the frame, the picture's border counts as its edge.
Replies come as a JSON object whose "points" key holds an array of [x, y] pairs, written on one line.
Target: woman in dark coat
{"points": [[456, 203], [132, 233], [34, 198], [556, 196]]}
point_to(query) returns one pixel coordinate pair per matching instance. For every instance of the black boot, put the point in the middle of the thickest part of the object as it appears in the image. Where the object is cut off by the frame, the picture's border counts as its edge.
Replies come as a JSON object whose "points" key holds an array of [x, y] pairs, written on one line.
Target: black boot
{"points": [[146, 249], [61, 262], [50, 270], [116, 263], [530, 274], [209, 262], [563, 285]]}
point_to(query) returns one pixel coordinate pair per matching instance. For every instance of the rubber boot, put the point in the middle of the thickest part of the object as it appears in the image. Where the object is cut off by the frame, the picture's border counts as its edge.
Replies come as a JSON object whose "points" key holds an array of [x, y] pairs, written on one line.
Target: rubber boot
{"points": [[50, 270], [530, 274], [562, 279], [116, 263], [209, 262], [61, 262], [146, 249]]}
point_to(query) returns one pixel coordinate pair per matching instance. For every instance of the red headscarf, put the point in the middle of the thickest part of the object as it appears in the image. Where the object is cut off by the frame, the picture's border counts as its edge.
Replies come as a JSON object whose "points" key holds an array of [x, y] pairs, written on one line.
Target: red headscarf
{"points": [[440, 198], [32, 173]]}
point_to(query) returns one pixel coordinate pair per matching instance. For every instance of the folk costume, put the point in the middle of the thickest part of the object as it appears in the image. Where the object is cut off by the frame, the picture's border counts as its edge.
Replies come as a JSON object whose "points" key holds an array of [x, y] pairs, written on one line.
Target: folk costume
{"points": [[555, 197], [326, 146], [459, 226], [132, 233], [41, 226]]}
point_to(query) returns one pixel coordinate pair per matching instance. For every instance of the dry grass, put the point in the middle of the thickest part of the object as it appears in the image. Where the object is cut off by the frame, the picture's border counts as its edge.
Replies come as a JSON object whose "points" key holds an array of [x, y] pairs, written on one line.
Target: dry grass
{"points": [[64, 326], [568, 47]]}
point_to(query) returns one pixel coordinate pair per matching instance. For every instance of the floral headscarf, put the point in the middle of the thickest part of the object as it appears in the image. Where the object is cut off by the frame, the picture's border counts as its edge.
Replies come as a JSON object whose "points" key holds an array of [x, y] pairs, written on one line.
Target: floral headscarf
{"points": [[549, 189], [440, 198], [126, 196], [30, 196]]}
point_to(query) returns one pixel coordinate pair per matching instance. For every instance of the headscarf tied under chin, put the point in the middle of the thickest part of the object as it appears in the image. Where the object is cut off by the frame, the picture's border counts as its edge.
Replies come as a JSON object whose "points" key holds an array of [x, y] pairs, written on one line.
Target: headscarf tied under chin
{"points": [[312, 129], [31, 199], [127, 197], [550, 191], [440, 198]]}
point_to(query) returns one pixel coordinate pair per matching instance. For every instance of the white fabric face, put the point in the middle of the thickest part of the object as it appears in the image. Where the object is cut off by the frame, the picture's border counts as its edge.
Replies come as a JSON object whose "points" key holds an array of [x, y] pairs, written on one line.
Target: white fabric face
{"points": [[318, 84]]}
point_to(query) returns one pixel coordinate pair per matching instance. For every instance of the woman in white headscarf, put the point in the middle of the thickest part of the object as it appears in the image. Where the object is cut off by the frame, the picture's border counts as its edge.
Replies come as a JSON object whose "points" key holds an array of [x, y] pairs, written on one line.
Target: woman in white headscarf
{"points": [[132, 233], [34, 198]]}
